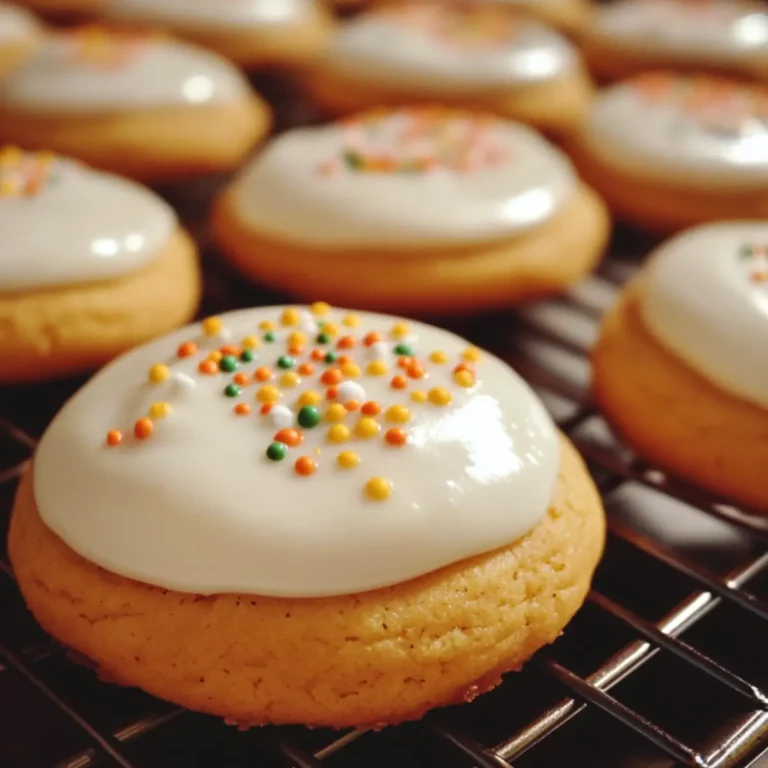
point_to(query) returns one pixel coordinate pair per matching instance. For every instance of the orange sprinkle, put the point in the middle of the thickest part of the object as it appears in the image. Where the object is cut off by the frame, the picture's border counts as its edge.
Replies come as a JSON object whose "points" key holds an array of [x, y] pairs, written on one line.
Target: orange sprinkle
{"points": [[242, 409], [114, 437], [371, 408], [399, 382], [346, 342], [296, 349], [371, 338], [404, 362], [416, 370], [332, 393], [266, 408], [332, 376], [307, 369], [208, 367], [242, 379], [262, 374], [291, 437], [352, 405], [143, 428], [343, 359], [231, 349], [396, 436], [305, 466], [317, 355], [187, 349], [464, 367]]}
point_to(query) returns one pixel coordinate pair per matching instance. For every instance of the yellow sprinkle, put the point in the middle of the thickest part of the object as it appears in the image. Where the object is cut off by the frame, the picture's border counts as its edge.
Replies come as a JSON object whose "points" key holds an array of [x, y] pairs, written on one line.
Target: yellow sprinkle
{"points": [[290, 316], [399, 330], [419, 396], [351, 320], [298, 338], [464, 378], [215, 355], [8, 187], [250, 342], [378, 489], [398, 414], [376, 368], [350, 370], [310, 397], [367, 428], [289, 379], [267, 325], [330, 329], [212, 326], [471, 354], [339, 433], [320, 308], [438, 357], [336, 412], [439, 396], [348, 459], [159, 410], [10, 156], [268, 394], [159, 373]]}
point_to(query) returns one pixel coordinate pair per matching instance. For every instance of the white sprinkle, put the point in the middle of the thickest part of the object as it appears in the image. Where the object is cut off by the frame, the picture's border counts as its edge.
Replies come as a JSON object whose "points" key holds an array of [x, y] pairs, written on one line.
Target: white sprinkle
{"points": [[351, 390], [182, 382], [282, 416], [380, 350]]}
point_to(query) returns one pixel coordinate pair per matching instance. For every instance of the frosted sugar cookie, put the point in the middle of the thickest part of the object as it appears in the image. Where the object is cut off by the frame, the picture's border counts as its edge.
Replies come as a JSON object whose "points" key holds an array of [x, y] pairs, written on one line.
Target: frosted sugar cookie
{"points": [[682, 368], [253, 33], [139, 105], [475, 56], [631, 36], [370, 518], [20, 34], [670, 151], [91, 265], [419, 210]]}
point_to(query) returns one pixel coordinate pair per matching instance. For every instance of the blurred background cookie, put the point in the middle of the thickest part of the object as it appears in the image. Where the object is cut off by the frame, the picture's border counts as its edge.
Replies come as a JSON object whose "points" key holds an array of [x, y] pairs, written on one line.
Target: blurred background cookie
{"points": [[20, 34]]}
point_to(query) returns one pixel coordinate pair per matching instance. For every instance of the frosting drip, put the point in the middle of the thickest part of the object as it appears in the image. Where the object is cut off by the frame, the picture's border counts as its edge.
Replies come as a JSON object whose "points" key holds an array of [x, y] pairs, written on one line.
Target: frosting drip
{"points": [[662, 125], [439, 48], [704, 296], [63, 223], [94, 70], [16, 24], [297, 453], [411, 177]]}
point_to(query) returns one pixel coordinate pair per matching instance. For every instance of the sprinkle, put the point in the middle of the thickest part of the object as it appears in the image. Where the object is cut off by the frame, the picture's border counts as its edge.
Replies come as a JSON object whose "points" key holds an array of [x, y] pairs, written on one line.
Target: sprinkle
{"points": [[331, 376], [291, 437], [309, 416], [376, 368], [399, 331], [343, 360], [403, 349], [330, 329], [247, 356], [318, 355], [323, 338], [464, 378], [351, 390], [310, 397], [351, 320], [114, 437], [471, 354], [215, 356], [143, 428], [371, 408], [232, 390], [289, 380], [346, 342], [438, 357], [266, 408], [277, 451], [348, 459], [332, 393], [419, 396], [208, 367], [306, 369], [404, 362], [351, 370], [269, 337], [371, 338], [378, 489], [242, 409], [305, 466], [182, 382], [267, 325], [290, 316], [231, 349], [262, 374], [212, 326], [367, 428], [159, 410], [250, 342], [159, 373], [330, 357], [187, 349], [320, 308], [268, 394], [396, 436], [228, 363], [399, 382], [352, 405], [280, 415], [285, 362], [335, 412], [339, 433], [416, 370], [464, 367], [398, 414], [439, 396]]}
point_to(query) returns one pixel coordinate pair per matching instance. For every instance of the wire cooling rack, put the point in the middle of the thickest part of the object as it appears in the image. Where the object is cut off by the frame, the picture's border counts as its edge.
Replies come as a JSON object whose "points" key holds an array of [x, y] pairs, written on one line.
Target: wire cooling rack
{"points": [[664, 666]]}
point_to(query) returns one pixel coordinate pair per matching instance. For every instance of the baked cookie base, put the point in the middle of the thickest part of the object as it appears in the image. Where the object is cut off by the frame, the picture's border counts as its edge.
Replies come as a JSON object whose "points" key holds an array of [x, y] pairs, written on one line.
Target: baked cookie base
{"points": [[665, 206], [542, 262], [153, 146], [58, 332], [16, 53], [369, 659], [673, 416], [63, 9], [556, 106]]}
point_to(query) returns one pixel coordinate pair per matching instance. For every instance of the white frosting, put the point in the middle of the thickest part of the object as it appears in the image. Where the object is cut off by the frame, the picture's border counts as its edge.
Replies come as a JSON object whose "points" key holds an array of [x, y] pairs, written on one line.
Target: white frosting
{"points": [[706, 31], [704, 296], [82, 225], [431, 48], [145, 73], [299, 189], [199, 507], [16, 24], [212, 14], [721, 141]]}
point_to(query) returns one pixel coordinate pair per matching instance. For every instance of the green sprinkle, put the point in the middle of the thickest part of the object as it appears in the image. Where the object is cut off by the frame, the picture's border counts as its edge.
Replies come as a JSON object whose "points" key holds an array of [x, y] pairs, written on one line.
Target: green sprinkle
{"points": [[331, 357], [309, 417], [404, 349], [285, 362], [277, 451], [354, 160], [248, 356], [228, 363], [231, 390], [323, 338], [269, 336]]}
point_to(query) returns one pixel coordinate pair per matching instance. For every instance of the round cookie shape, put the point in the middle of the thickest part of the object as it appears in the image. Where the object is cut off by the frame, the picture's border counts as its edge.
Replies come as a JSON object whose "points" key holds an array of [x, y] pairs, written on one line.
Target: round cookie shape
{"points": [[665, 126], [704, 297], [64, 223], [436, 48], [404, 178], [94, 70], [16, 24], [296, 452]]}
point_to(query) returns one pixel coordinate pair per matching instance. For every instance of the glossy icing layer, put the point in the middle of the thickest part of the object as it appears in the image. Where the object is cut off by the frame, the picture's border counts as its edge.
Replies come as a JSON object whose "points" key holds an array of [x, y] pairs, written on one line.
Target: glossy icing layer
{"points": [[710, 31], [413, 177], [696, 129], [92, 70], [63, 223], [439, 48], [704, 296], [325, 453], [16, 24]]}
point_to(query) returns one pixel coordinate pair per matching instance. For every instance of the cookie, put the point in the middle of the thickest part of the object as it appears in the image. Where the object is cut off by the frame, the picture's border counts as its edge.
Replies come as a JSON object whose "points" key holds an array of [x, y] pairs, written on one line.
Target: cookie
{"points": [[670, 151], [318, 517], [253, 33], [143, 106], [478, 57], [680, 368], [424, 210], [92, 265], [20, 34], [64, 10], [629, 37]]}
